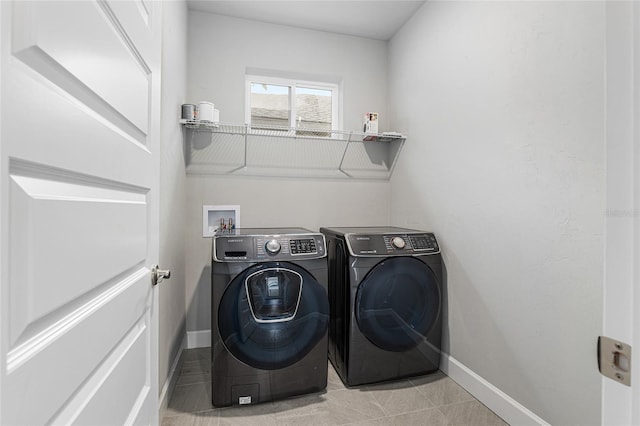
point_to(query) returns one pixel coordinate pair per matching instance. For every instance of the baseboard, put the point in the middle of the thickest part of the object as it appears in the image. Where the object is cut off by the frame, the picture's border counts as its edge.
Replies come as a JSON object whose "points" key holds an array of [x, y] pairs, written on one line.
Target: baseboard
{"points": [[170, 383], [198, 339], [499, 402]]}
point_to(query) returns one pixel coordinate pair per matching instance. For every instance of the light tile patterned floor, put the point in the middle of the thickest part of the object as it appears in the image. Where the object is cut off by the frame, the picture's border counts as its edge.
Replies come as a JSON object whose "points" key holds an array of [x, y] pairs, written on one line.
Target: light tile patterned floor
{"points": [[427, 400]]}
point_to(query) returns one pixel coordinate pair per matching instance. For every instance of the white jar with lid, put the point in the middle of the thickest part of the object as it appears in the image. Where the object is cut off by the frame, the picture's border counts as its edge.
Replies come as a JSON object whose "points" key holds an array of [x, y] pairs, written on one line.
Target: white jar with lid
{"points": [[205, 111]]}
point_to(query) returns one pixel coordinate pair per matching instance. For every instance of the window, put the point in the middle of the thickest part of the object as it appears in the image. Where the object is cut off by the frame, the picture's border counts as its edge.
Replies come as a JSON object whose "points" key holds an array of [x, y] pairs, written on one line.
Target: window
{"points": [[309, 107]]}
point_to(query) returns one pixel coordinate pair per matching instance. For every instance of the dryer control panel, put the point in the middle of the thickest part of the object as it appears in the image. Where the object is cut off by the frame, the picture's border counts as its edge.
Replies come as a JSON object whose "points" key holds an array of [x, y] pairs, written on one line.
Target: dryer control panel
{"points": [[391, 244], [249, 245]]}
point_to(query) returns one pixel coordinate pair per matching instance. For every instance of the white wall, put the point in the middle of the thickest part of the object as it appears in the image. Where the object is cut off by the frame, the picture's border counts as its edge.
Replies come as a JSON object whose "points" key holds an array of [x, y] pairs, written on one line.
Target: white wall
{"points": [[503, 103], [172, 312], [221, 49]]}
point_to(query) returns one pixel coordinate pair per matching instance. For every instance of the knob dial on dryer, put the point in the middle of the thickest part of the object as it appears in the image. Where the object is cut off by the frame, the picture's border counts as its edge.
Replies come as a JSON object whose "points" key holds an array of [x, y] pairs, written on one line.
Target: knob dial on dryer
{"points": [[398, 242], [272, 247]]}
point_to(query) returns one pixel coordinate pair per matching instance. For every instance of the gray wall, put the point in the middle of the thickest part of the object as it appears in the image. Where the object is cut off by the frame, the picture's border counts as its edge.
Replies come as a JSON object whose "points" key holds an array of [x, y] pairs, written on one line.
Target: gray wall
{"points": [[172, 312], [504, 106], [221, 49]]}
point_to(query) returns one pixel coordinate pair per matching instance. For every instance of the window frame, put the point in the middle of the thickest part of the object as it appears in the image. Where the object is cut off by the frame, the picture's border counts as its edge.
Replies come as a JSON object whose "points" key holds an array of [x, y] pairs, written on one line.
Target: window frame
{"points": [[292, 83]]}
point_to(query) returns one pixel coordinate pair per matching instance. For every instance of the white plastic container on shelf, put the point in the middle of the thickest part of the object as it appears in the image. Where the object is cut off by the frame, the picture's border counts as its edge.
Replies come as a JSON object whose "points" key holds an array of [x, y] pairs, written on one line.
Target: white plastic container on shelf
{"points": [[370, 122], [206, 112]]}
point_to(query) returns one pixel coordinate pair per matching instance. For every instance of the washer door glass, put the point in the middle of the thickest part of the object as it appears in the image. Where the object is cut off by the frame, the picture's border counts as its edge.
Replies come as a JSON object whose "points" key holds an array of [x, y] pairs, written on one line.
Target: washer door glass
{"points": [[272, 314], [274, 294], [397, 303]]}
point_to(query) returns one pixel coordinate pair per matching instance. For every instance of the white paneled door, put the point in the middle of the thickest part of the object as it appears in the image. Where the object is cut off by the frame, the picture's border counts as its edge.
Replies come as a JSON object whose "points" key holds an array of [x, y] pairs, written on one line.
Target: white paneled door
{"points": [[79, 123]]}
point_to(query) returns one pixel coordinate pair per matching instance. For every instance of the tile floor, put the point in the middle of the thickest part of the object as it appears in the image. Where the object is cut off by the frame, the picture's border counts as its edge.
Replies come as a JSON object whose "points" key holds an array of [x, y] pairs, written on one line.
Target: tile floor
{"points": [[428, 400]]}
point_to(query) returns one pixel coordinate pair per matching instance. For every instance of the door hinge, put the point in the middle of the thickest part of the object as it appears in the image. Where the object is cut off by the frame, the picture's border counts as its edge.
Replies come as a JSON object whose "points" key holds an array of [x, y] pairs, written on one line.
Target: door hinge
{"points": [[614, 360]]}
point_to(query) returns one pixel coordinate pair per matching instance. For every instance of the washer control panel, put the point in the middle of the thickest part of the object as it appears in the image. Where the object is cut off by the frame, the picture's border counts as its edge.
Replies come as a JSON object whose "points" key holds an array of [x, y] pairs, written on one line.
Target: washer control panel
{"points": [[402, 244], [259, 248]]}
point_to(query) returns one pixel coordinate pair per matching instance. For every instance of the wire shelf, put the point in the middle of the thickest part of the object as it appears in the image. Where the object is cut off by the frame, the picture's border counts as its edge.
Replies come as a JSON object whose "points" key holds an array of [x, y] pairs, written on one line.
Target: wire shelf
{"points": [[240, 149]]}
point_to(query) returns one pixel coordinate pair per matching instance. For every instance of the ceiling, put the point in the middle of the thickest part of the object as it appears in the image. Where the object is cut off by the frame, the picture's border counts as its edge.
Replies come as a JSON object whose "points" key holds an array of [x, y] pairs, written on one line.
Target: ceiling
{"points": [[374, 19]]}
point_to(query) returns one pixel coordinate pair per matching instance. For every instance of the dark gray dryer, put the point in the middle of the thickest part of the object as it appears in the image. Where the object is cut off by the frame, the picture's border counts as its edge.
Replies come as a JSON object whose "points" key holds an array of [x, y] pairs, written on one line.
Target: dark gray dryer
{"points": [[385, 296], [270, 315]]}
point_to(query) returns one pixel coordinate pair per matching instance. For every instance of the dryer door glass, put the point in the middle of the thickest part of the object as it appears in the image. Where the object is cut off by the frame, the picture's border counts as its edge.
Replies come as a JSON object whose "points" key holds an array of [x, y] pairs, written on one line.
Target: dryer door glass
{"points": [[272, 314], [397, 303]]}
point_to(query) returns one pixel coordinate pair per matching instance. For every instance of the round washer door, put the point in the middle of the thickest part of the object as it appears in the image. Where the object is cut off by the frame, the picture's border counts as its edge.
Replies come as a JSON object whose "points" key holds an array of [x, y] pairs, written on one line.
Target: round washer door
{"points": [[397, 303], [272, 314]]}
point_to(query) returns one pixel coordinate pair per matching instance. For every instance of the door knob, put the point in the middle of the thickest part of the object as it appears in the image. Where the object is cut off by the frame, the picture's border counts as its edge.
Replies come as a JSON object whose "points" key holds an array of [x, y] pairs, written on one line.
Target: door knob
{"points": [[157, 275]]}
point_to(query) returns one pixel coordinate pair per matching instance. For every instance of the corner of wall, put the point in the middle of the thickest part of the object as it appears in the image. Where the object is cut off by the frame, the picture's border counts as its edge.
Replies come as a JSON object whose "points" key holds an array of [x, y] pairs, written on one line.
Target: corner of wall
{"points": [[169, 385], [499, 402]]}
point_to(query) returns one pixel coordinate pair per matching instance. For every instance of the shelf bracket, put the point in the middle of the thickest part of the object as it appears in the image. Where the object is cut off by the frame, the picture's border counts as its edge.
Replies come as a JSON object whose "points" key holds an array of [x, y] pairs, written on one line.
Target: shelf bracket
{"points": [[344, 154]]}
